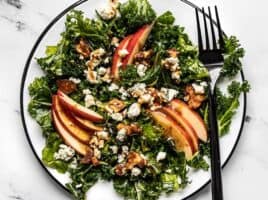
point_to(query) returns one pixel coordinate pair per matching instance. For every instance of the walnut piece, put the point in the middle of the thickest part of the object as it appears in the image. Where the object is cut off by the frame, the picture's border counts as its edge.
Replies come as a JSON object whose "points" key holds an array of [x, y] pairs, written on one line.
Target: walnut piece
{"points": [[83, 48], [116, 105], [66, 86], [130, 129], [193, 99]]}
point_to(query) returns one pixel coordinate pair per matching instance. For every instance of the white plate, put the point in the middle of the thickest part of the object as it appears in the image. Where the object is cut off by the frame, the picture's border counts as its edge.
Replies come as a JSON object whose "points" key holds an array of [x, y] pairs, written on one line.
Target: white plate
{"points": [[185, 17]]}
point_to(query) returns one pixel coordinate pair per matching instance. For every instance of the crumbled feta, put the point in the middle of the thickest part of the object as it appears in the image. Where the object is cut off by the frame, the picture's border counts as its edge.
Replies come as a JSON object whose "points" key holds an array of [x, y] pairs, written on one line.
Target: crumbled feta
{"points": [[102, 71], [106, 60], [123, 53], [121, 158], [124, 93], [138, 89], [161, 156], [141, 69], [199, 89], [65, 153], [86, 91], [121, 135], [169, 94], [113, 87], [115, 41], [134, 110], [97, 153], [101, 144], [117, 116], [107, 12], [135, 171], [75, 80], [103, 135], [89, 100], [73, 164], [172, 60], [114, 149], [125, 149]]}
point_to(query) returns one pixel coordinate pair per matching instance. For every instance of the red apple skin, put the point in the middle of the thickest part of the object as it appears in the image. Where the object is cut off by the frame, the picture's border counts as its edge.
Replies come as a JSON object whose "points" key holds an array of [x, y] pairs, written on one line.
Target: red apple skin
{"points": [[184, 124], [136, 43], [117, 59], [68, 122], [85, 124], [192, 117], [181, 139], [78, 109], [68, 139]]}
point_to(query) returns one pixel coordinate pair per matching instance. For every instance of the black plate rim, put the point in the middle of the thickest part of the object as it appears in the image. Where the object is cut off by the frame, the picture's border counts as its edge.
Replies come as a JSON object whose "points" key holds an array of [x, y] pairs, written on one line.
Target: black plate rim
{"points": [[24, 75]]}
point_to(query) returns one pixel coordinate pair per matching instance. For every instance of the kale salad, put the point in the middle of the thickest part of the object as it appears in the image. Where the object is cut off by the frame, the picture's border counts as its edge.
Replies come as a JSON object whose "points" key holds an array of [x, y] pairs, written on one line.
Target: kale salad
{"points": [[124, 99]]}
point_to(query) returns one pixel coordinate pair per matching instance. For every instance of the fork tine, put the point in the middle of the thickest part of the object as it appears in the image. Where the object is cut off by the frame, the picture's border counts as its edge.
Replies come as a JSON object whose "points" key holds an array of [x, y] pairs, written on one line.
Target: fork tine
{"points": [[219, 28], [214, 43], [206, 29], [200, 43]]}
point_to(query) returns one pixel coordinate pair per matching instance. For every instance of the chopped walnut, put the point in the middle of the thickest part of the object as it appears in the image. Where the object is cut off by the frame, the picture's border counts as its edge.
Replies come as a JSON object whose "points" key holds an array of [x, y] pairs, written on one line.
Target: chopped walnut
{"points": [[143, 57], [95, 161], [92, 76], [193, 99], [120, 169], [135, 159], [66, 86], [173, 52], [88, 157], [116, 105], [83, 48], [130, 129]]}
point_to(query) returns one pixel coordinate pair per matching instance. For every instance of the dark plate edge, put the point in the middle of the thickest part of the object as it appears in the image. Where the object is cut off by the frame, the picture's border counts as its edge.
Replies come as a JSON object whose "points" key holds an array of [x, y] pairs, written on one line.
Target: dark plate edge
{"points": [[23, 85]]}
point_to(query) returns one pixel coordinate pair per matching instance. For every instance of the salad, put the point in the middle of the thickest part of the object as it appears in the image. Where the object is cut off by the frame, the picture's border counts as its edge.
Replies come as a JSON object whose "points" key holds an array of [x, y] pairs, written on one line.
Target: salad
{"points": [[124, 99]]}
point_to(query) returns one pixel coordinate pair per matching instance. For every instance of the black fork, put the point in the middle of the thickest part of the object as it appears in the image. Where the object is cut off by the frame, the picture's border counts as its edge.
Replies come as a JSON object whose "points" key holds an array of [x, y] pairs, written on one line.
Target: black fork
{"points": [[211, 55]]}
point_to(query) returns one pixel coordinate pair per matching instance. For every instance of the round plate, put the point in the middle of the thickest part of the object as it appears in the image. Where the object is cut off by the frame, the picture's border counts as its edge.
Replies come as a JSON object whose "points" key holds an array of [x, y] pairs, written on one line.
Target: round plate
{"points": [[184, 13]]}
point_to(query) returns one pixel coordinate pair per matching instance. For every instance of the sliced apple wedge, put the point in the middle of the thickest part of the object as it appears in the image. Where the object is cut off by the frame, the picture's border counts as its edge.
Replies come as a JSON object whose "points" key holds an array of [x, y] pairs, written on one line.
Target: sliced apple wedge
{"points": [[136, 43], [78, 109], [117, 60], [68, 139], [85, 124], [182, 140], [192, 117], [183, 123], [68, 122]]}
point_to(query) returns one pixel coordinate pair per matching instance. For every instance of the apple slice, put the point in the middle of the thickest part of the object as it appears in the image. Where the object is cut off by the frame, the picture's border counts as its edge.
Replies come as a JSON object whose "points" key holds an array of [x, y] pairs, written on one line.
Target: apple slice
{"points": [[182, 140], [192, 117], [78, 109], [68, 139], [68, 122], [117, 60], [136, 43], [85, 124], [184, 124]]}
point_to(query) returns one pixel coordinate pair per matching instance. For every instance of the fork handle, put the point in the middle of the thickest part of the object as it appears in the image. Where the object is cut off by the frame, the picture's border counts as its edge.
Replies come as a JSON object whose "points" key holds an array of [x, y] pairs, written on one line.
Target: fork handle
{"points": [[216, 179]]}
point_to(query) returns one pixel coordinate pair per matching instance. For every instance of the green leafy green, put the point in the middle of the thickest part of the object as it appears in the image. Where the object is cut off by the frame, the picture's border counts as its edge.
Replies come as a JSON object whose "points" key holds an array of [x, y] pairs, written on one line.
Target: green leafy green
{"points": [[52, 145], [169, 182], [227, 104], [198, 162], [135, 13], [232, 60]]}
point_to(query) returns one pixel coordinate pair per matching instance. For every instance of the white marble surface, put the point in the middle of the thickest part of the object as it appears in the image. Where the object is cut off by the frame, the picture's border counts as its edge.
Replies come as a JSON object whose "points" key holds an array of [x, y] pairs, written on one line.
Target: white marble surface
{"points": [[22, 177]]}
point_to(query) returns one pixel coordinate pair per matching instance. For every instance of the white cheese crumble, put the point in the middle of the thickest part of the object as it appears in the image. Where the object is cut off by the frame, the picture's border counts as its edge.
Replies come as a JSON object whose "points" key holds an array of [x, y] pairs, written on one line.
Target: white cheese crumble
{"points": [[176, 75], [64, 153], [117, 116], [107, 13], [75, 80], [135, 171], [97, 153], [114, 149], [172, 60], [141, 69], [134, 110], [121, 158], [125, 149], [113, 87], [102, 71], [115, 41], [124, 93], [103, 135], [169, 94], [199, 89], [161, 156], [73, 164], [89, 100], [86, 91], [123, 53], [138, 89], [121, 135]]}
